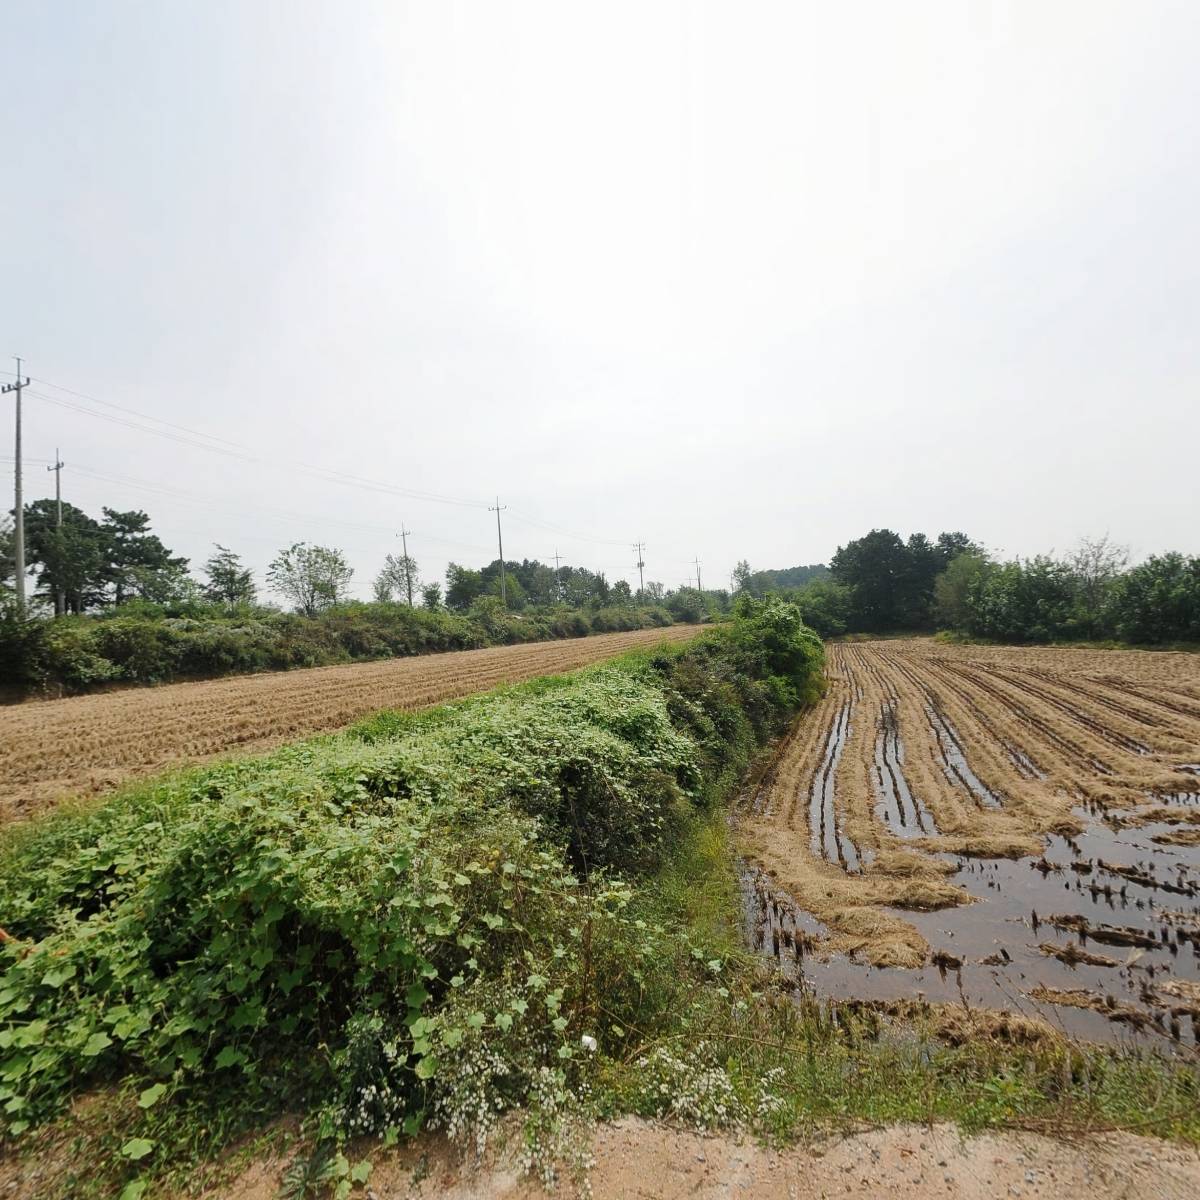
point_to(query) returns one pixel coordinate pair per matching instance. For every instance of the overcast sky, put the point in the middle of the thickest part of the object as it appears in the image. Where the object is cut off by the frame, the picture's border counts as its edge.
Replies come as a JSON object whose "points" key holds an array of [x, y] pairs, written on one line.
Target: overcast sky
{"points": [[740, 279]]}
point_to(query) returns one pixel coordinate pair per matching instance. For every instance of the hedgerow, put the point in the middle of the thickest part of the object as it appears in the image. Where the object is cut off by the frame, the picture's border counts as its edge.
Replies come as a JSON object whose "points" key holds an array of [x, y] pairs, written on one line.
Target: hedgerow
{"points": [[81, 653], [426, 917]]}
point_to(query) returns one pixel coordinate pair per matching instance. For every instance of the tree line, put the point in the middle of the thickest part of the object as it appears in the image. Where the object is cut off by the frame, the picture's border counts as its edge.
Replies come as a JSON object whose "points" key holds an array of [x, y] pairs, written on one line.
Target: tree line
{"points": [[88, 565], [884, 583]]}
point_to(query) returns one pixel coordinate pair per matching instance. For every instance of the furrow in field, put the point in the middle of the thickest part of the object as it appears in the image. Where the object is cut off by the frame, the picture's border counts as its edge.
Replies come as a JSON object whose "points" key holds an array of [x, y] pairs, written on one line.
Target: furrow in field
{"points": [[1162, 697], [1106, 730], [88, 744], [1139, 716], [904, 814], [1084, 753], [929, 774]]}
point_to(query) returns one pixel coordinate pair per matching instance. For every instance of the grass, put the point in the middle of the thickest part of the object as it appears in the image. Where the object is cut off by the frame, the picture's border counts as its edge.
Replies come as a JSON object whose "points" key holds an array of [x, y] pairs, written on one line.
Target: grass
{"points": [[650, 962], [799, 1069]]}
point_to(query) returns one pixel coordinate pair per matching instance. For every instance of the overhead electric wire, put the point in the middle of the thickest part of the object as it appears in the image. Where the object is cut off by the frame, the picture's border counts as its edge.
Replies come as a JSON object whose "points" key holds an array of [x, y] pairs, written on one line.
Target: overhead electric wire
{"points": [[232, 449], [552, 528], [58, 387], [197, 439], [274, 513]]}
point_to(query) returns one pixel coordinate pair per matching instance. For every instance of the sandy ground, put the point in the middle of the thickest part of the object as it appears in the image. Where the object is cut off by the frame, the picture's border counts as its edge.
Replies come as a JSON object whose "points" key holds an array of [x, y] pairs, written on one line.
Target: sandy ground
{"points": [[637, 1159], [86, 745]]}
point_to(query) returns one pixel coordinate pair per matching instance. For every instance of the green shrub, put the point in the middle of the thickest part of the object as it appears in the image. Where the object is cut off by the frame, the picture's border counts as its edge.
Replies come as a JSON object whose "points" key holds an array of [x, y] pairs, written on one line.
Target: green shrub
{"points": [[358, 916], [137, 643], [1157, 601]]}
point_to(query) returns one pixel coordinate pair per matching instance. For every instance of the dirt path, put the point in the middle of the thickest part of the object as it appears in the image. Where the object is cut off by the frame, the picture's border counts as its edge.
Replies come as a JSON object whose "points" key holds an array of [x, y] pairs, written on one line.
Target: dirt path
{"points": [[638, 1159], [88, 744]]}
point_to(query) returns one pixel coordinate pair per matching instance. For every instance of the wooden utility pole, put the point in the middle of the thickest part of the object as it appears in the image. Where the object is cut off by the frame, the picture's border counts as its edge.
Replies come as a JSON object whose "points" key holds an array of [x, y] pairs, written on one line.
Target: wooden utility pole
{"points": [[558, 573], [498, 508], [19, 506], [697, 562], [60, 604], [640, 547], [407, 563]]}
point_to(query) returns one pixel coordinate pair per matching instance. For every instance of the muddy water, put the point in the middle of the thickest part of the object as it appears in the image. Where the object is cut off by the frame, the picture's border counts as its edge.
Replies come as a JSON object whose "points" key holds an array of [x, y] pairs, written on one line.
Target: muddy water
{"points": [[902, 812], [954, 760], [828, 840], [1121, 910]]}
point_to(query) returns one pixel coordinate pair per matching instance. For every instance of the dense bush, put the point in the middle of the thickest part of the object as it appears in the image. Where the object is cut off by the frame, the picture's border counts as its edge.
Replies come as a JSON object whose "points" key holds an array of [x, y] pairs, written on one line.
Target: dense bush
{"points": [[1032, 601], [137, 643], [1048, 600], [1158, 601], [422, 915]]}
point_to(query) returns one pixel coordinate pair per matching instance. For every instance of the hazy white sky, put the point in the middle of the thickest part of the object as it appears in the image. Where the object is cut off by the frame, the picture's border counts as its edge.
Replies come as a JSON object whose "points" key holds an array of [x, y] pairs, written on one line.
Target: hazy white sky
{"points": [[741, 279]]}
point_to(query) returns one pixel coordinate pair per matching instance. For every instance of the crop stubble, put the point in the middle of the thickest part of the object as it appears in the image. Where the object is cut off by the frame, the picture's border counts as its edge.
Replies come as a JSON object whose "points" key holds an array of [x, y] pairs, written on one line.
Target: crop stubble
{"points": [[953, 808], [88, 744]]}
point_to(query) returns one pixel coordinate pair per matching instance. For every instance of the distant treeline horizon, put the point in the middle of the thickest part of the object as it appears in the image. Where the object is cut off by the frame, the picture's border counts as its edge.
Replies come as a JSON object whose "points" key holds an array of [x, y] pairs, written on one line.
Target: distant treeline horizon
{"points": [[883, 583]]}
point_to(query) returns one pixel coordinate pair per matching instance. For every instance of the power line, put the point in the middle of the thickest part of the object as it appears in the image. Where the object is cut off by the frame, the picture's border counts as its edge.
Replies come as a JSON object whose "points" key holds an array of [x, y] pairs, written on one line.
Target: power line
{"points": [[19, 504], [407, 563], [498, 509], [246, 454], [197, 439], [59, 598], [58, 387], [552, 528]]}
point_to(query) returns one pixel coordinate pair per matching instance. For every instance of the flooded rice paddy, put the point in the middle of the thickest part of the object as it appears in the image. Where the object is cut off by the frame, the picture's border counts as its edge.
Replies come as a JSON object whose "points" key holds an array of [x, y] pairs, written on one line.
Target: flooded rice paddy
{"points": [[1008, 830]]}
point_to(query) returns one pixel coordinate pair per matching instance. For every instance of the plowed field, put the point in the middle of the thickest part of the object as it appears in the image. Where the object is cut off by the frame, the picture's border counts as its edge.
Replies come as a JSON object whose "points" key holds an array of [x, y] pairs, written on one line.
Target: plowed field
{"points": [[87, 744], [1014, 827]]}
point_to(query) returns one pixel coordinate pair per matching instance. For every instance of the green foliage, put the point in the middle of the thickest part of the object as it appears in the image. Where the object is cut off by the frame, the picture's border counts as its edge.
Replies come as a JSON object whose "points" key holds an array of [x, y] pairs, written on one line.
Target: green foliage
{"points": [[1157, 601], [1088, 596], [760, 583], [955, 588], [891, 581], [1033, 601], [313, 578], [398, 579], [776, 645], [825, 606], [360, 915], [686, 605], [137, 644], [99, 562], [229, 582]]}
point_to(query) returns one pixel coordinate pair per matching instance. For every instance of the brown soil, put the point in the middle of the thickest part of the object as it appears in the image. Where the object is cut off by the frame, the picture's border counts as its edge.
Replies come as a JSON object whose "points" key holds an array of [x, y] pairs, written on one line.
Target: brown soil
{"points": [[638, 1159], [50, 749]]}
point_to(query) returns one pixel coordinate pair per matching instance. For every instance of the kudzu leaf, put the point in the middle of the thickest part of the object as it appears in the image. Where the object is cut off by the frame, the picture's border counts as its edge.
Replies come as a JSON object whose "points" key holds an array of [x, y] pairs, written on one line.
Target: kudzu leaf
{"points": [[230, 1056], [96, 1044], [151, 1095], [57, 976]]}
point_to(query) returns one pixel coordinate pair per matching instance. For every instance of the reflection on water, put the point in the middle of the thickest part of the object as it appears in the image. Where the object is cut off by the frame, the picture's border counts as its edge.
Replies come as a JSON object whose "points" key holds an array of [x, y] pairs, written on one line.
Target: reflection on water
{"points": [[1108, 916]]}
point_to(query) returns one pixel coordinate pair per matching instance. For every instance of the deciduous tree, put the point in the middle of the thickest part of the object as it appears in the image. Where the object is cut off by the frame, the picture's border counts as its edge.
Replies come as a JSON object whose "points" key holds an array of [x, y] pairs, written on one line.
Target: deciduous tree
{"points": [[312, 577]]}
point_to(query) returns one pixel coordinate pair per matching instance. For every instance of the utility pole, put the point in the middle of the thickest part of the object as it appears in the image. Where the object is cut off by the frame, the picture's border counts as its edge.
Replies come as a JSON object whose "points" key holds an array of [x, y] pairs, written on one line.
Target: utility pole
{"points": [[498, 508], [407, 563], [640, 547], [558, 573], [19, 514], [59, 598], [697, 562]]}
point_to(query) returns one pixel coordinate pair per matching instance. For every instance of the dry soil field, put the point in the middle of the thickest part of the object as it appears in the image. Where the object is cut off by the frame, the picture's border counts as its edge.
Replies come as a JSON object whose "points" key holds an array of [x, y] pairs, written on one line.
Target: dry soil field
{"points": [[1015, 828], [87, 744]]}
